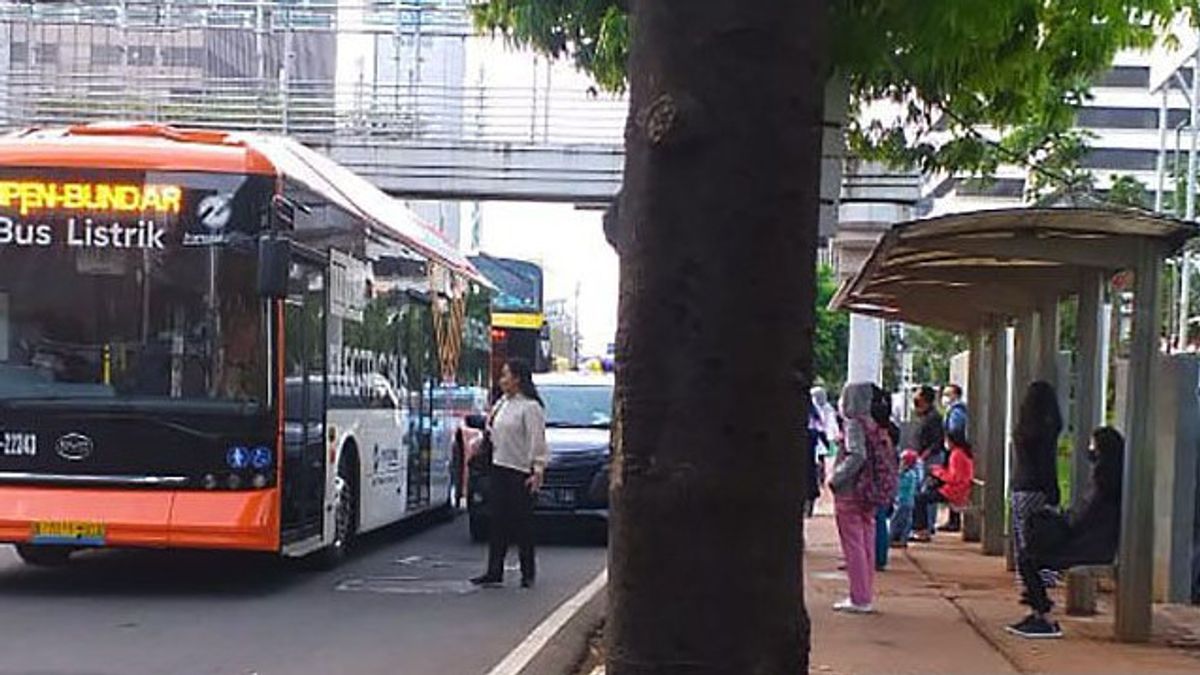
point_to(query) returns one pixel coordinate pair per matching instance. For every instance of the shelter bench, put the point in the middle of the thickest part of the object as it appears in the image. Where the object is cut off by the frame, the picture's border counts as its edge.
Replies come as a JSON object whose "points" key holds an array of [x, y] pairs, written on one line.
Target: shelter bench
{"points": [[972, 506], [971, 512], [1082, 581]]}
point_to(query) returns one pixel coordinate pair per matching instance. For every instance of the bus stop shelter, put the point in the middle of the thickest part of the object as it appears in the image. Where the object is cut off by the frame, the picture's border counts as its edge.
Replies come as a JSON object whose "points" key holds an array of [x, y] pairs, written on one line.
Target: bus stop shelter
{"points": [[982, 273]]}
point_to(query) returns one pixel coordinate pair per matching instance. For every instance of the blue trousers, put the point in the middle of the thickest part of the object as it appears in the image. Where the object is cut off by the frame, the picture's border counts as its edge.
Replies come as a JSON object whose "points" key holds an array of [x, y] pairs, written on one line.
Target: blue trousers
{"points": [[902, 521], [881, 537]]}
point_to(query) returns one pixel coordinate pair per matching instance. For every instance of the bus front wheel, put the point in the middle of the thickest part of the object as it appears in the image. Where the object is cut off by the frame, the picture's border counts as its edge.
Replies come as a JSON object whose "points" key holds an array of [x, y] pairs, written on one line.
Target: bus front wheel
{"points": [[44, 556], [345, 518]]}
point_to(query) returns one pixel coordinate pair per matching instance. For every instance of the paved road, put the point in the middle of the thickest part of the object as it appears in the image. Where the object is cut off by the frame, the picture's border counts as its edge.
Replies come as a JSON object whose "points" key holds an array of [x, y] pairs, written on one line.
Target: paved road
{"points": [[400, 605]]}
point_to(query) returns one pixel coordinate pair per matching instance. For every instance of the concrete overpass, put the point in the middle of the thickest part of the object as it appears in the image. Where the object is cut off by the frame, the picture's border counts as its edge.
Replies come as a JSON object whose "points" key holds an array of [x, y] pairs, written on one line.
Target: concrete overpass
{"points": [[495, 170]]}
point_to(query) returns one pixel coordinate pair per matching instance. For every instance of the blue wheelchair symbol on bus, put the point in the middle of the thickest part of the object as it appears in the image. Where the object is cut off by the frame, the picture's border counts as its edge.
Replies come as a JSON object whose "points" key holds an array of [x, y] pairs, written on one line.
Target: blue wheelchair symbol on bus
{"points": [[260, 457]]}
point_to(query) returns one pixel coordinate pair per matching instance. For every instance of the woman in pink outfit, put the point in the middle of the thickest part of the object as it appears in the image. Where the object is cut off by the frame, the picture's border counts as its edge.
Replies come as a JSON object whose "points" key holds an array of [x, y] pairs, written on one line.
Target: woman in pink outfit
{"points": [[856, 493]]}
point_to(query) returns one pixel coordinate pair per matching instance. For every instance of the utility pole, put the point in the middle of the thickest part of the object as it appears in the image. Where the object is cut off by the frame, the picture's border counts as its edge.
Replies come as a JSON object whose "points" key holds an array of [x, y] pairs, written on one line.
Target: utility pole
{"points": [[1161, 162], [1185, 281], [575, 338]]}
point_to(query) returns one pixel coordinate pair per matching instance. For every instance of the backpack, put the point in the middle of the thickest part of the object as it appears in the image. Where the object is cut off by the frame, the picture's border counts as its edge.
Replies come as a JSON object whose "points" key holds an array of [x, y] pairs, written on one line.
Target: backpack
{"points": [[879, 478]]}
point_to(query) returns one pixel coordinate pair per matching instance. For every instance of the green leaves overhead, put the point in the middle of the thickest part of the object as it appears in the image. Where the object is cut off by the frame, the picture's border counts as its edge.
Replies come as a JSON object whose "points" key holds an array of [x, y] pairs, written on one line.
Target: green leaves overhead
{"points": [[979, 82], [1019, 67], [593, 33], [832, 336]]}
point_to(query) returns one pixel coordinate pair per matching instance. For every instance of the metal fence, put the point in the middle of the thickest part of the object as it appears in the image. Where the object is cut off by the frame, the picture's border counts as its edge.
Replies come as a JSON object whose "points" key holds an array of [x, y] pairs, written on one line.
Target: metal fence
{"points": [[431, 17], [272, 66], [319, 112]]}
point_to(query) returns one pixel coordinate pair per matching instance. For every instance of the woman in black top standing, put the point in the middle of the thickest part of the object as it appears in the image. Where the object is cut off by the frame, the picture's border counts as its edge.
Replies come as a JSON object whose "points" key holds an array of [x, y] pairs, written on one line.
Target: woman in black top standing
{"points": [[1084, 536], [1035, 477]]}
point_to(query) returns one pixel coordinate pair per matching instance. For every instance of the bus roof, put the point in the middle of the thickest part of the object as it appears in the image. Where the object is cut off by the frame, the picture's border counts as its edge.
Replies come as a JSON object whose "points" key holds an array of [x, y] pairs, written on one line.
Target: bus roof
{"points": [[158, 147]]}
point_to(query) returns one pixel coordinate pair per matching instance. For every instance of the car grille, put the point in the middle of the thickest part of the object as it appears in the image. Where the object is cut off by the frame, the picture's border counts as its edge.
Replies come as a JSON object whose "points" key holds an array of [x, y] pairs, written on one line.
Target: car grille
{"points": [[570, 476]]}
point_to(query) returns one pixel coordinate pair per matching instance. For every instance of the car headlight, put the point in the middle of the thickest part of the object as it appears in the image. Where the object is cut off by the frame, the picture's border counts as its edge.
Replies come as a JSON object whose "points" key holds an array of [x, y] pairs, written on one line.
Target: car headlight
{"points": [[598, 490]]}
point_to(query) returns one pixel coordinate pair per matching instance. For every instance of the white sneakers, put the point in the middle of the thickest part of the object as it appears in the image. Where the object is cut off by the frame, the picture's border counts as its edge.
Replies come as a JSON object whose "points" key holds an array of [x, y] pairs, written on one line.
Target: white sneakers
{"points": [[849, 607]]}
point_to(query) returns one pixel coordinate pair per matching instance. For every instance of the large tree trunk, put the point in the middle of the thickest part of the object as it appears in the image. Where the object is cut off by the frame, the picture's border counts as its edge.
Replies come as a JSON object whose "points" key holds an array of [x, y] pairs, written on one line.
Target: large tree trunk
{"points": [[717, 229]]}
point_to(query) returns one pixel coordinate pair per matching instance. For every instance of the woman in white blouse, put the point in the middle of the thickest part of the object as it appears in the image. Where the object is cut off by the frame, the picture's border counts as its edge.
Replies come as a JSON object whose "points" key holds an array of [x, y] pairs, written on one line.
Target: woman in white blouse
{"points": [[517, 426]]}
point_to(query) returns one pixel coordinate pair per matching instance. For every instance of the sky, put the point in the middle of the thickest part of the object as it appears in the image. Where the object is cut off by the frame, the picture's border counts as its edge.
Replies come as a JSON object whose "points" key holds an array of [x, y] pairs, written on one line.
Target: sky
{"points": [[568, 242], [570, 245]]}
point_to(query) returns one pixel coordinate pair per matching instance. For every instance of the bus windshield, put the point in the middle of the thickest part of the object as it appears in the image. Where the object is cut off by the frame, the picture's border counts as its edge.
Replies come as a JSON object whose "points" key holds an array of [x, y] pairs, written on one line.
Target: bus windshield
{"points": [[131, 285], [518, 284]]}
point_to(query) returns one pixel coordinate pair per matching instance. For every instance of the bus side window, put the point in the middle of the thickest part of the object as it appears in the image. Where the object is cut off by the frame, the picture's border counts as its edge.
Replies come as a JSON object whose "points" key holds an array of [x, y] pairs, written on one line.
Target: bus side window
{"points": [[381, 394]]}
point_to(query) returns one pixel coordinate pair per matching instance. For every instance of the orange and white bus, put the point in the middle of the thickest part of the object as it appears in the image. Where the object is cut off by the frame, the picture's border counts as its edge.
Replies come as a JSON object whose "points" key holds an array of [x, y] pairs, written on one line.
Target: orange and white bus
{"points": [[221, 340]]}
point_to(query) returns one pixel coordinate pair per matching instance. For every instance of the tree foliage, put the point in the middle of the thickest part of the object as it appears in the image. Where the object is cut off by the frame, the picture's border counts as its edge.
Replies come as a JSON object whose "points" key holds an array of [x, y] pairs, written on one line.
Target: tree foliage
{"points": [[931, 350], [832, 340], [593, 33], [1128, 191], [956, 68]]}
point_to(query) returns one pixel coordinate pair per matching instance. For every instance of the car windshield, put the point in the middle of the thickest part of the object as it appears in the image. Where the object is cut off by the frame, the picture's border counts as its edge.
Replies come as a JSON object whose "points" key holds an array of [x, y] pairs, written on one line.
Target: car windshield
{"points": [[578, 405]]}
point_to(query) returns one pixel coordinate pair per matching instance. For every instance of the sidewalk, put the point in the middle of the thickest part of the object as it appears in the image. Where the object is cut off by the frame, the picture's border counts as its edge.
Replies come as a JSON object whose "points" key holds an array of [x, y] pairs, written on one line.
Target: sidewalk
{"points": [[943, 607]]}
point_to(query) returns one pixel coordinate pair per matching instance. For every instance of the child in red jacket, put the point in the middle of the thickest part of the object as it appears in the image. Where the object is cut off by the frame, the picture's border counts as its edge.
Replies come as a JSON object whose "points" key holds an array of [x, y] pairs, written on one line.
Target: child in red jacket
{"points": [[950, 484]]}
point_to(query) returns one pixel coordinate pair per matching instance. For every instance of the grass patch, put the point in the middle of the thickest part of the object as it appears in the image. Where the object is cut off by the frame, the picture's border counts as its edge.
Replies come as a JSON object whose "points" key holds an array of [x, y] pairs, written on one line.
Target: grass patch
{"points": [[1064, 477]]}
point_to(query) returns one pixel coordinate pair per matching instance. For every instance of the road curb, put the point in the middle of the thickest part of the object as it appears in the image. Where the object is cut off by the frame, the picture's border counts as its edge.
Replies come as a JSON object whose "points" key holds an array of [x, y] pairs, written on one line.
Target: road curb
{"points": [[567, 649], [560, 641]]}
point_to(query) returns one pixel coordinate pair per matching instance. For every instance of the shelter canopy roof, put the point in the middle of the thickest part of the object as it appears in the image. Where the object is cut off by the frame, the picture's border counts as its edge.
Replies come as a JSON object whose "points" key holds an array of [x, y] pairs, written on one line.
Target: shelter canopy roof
{"points": [[964, 271]]}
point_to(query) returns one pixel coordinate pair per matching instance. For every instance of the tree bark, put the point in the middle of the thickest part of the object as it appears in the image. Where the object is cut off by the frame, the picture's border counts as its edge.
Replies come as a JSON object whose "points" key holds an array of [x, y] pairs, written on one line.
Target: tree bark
{"points": [[716, 229]]}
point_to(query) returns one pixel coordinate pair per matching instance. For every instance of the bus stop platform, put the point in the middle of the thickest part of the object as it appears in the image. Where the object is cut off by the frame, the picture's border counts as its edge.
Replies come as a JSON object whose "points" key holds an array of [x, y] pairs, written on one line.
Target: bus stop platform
{"points": [[942, 608], [1004, 278]]}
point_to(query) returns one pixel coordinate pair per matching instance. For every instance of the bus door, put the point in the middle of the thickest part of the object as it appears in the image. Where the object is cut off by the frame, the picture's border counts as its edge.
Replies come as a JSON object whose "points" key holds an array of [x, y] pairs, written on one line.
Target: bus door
{"points": [[304, 466], [421, 374]]}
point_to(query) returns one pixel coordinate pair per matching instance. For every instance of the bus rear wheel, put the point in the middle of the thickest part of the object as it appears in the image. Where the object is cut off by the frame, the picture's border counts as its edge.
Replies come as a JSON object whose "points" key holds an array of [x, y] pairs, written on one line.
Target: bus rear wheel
{"points": [[44, 556]]}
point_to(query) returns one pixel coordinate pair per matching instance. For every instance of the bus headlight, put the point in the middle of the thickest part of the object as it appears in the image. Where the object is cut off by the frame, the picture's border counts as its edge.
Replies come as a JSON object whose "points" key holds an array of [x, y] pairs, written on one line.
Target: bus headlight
{"points": [[234, 481], [209, 481], [259, 480]]}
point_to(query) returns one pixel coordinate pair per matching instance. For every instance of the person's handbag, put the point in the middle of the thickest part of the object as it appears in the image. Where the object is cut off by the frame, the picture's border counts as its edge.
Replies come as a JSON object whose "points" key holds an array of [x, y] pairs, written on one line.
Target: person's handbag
{"points": [[1046, 530], [482, 459]]}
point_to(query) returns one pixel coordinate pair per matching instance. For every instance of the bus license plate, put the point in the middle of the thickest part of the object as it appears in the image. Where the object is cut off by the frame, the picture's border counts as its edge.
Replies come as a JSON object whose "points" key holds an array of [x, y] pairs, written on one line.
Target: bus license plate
{"points": [[68, 532]]}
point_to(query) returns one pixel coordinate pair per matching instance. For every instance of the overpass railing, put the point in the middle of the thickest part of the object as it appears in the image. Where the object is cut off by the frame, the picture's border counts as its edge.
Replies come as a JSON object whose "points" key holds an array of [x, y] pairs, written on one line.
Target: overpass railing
{"points": [[320, 112]]}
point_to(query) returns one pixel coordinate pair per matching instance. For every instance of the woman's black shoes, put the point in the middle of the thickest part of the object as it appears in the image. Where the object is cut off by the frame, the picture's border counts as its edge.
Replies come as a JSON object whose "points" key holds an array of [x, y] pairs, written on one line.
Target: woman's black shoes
{"points": [[488, 581], [1036, 627]]}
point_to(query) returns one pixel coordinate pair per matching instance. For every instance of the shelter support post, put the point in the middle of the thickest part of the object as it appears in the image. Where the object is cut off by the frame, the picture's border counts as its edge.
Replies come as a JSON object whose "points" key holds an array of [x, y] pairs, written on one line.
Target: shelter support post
{"points": [[866, 349], [1177, 428], [1089, 383], [1025, 367], [1052, 366], [1046, 350], [1024, 354], [994, 449], [1135, 558], [977, 403]]}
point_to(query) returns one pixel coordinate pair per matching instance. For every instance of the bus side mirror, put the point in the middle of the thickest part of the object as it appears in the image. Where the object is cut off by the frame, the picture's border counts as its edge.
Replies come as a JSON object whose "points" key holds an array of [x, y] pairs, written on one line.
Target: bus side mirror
{"points": [[274, 267]]}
